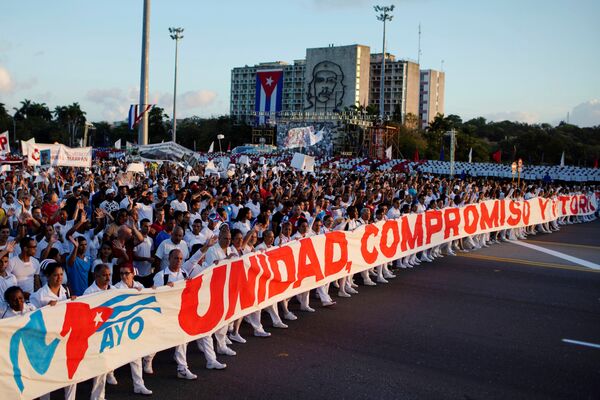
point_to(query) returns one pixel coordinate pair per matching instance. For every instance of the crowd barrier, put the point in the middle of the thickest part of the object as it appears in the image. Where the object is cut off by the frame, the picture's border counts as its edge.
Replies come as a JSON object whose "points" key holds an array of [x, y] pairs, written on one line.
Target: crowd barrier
{"points": [[76, 340]]}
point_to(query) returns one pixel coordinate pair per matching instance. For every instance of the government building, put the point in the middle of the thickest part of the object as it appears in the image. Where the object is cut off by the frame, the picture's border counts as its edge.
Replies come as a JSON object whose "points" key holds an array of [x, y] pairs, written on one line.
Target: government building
{"points": [[334, 79]]}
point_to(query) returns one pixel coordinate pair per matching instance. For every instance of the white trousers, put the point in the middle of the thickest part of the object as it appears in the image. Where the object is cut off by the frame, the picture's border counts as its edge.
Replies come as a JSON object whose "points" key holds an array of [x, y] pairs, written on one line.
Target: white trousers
{"points": [[70, 392]]}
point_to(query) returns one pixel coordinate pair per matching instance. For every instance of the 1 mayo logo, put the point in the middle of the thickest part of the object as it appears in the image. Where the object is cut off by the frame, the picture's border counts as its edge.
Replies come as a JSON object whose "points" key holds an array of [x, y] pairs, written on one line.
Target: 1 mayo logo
{"points": [[117, 317]]}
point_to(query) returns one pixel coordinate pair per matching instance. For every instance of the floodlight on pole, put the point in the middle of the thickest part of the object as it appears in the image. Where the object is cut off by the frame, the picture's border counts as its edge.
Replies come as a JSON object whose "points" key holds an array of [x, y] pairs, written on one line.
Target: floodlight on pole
{"points": [[176, 35], [383, 14]]}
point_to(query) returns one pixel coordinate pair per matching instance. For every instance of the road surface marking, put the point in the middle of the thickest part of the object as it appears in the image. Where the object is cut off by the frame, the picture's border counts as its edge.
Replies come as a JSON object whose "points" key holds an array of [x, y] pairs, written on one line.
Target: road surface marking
{"points": [[584, 246], [587, 344], [558, 254], [527, 262]]}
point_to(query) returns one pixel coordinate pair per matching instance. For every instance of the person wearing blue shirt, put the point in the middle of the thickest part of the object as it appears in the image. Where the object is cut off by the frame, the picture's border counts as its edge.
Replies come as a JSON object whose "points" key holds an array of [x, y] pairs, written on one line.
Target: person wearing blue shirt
{"points": [[79, 266]]}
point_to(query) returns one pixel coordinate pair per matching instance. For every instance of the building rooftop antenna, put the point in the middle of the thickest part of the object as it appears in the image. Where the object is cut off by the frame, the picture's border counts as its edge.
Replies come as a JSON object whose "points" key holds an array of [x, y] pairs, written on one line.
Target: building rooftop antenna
{"points": [[419, 52]]}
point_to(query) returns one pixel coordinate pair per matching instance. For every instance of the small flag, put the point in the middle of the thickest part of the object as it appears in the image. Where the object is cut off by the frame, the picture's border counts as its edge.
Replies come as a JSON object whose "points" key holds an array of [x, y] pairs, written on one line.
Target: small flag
{"points": [[212, 147], [128, 145], [229, 147], [497, 156], [416, 155], [562, 159], [134, 116], [219, 136], [118, 144], [596, 163], [388, 153], [471, 155]]}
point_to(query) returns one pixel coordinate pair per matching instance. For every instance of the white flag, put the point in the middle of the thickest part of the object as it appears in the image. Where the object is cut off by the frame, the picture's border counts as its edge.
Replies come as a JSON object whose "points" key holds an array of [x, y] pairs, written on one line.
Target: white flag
{"points": [[471, 155], [388, 153], [212, 147], [562, 159], [4, 143], [220, 137], [118, 144], [315, 138], [128, 145], [25, 145]]}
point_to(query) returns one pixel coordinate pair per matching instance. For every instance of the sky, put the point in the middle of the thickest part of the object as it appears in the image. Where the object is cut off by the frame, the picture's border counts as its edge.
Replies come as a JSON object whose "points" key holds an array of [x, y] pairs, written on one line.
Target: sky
{"points": [[527, 60]]}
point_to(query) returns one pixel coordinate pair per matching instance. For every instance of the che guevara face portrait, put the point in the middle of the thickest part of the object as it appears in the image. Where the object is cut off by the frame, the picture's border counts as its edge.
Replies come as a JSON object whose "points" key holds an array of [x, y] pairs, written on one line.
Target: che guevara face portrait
{"points": [[326, 88], [325, 83]]}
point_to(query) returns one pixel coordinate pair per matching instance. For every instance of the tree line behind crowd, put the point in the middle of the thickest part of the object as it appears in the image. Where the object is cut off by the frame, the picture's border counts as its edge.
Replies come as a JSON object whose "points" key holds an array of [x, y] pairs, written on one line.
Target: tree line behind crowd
{"points": [[534, 143]]}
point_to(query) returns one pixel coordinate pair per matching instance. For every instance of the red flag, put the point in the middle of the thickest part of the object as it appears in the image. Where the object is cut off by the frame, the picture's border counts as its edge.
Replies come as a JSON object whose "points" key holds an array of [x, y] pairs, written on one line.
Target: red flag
{"points": [[229, 147], [416, 156], [596, 163], [497, 156]]}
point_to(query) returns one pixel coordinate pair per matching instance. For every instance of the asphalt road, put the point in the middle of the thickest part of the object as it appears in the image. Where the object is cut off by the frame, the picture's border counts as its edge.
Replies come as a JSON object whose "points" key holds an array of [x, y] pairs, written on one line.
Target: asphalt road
{"points": [[485, 325]]}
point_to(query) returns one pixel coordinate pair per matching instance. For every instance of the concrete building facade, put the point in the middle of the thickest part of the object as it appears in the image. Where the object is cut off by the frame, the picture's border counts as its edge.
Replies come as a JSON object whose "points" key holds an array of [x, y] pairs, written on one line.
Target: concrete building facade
{"points": [[431, 101], [401, 86]]}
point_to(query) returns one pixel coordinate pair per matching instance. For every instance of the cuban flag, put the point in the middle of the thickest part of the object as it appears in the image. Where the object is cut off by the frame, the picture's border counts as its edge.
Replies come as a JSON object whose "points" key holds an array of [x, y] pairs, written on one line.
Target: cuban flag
{"points": [[269, 90], [135, 116]]}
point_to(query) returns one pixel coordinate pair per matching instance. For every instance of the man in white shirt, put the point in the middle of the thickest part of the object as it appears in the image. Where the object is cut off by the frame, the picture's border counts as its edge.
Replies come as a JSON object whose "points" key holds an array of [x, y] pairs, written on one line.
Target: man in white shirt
{"points": [[145, 206], [25, 267], [254, 204], [218, 252], [179, 203], [128, 283], [6, 279], [167, 277], [167, 245], [195, 236], [101, 283], [142, 253]]}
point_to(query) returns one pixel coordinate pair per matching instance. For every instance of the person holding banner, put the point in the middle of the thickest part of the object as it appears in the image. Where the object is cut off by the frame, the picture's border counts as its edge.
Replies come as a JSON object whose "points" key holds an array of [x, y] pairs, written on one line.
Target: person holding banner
{"points": [[102, 278], [49, 295], [127, 282], [167, 277]]}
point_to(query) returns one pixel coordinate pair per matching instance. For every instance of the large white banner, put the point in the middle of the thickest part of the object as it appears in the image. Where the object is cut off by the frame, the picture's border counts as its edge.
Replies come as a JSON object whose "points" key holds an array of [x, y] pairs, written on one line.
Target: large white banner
{"points": [[57, 155], [77, 340]]}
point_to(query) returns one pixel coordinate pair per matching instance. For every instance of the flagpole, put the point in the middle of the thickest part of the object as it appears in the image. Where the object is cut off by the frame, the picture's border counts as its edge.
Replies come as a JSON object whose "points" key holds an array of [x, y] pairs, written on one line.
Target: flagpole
{"points": [[143, 128]]}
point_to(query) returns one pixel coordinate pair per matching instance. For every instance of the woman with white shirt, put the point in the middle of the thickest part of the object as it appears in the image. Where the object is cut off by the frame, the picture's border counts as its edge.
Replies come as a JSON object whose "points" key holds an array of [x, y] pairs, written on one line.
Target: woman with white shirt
{"points": [[243, 221], [49, 295], [15, 303]]}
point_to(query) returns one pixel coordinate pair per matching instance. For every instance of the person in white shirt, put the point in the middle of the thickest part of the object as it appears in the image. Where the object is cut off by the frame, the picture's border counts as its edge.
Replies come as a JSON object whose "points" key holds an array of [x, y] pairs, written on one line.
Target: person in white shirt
{"points": [[142, 253], [102, 277], [167, 277], [145, 206], [49, 295], [179, 203], [253, 205], [15, 303], [25, 267], [6, 279], [243, 220], [128, 283], [195, 236], [49, 241], [273, 310], [218, 252], [168, 245]]}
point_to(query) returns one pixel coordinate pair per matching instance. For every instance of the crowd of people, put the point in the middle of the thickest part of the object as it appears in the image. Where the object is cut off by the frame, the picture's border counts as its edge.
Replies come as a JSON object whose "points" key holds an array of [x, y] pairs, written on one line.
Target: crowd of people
{"points": [[68, 232]]}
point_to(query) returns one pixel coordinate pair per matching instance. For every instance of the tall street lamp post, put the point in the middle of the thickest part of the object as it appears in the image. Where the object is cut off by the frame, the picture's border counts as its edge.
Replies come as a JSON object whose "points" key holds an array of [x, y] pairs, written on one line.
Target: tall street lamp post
{"points": [[383, 14], [176, 35]]}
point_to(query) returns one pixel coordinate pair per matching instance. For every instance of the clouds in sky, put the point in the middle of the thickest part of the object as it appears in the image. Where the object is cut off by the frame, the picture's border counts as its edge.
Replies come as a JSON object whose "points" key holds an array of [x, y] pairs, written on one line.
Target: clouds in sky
{"points": [[6, 81], [115, 102], [586, 113], [519, 116]]}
